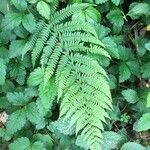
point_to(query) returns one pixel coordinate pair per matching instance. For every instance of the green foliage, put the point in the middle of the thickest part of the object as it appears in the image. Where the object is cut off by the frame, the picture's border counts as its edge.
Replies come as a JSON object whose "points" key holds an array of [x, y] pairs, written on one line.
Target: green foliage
{"points": [[58, 62]]}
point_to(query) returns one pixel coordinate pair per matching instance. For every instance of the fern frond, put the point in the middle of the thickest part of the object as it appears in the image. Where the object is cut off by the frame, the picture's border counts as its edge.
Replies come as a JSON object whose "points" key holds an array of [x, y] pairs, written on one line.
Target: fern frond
{"points": [[48, 49], [30, 44], [68, 11], [83, 97], [80, 47], [52, 63], [42, 39], [78, 36], [72, 26]]}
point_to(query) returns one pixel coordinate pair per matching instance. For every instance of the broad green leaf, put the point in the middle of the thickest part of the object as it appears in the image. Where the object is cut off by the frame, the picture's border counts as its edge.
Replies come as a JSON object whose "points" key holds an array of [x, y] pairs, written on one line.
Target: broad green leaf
{"points": [[138, 9], [130, 95], [37, 146], [100, 1], [22, 143], [19, 4], [146, 70], [16, 121], [28, 21], [2, 132], [148, 100], [36, 77], [5, 6], [132, 146], [32, 114], [45, 139], [116, 17], [20, 31], [116, 2], [43, 9], [111, 140], [17, 98], [4, 54], [11, 21], [2, 71], [15, 48], [143, 123], [147, 46], [124, 72]]}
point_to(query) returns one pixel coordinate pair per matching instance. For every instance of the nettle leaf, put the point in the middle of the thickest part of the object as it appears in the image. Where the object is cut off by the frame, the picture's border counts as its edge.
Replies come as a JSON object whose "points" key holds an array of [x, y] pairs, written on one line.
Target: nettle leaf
{"points": [[15, 48], [22, 143], [45, 139], [143, 123], [43, 9], [21, 5], [116, 2], [111, 140], [29, 23], [11, 21], [124, 72], [90, 14], [32, 114], [2, 71], [116, 17], [138, 9], [145, 69], [130, 95], [17, 98], [132, 145], [16, 121]]}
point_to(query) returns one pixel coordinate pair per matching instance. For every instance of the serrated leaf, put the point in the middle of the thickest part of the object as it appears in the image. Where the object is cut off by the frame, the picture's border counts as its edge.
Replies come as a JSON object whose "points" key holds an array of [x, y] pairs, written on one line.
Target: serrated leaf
{"points": [[28, 21], [131, 146], [2, 71], [45, 139], [116, 2], [36, 77], [147, 46], [19, 4], [22, 143], [111, 140], [138, 9], [124, 72], [32, 114], [100, 1], [15, 48], [143, 123], [148, 100], [43, 9], [116, 17], [130, 95], [17, 98], [146, 70], [16, 121], [11, 21], [37, 146]]}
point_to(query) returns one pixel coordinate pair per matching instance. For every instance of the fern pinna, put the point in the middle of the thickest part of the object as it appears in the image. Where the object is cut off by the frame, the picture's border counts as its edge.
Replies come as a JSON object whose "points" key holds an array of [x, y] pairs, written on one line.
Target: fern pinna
{"points": [[62, 46]]}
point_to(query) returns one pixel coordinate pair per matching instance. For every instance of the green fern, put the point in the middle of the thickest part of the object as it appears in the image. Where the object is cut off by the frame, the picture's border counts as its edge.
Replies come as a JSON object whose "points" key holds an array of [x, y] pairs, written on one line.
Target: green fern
{"points": [[80, 82]]}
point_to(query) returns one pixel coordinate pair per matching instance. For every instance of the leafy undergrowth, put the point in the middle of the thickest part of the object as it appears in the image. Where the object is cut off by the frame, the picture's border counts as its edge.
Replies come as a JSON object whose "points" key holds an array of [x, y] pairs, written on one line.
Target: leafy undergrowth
{"points": [[74, 75]]}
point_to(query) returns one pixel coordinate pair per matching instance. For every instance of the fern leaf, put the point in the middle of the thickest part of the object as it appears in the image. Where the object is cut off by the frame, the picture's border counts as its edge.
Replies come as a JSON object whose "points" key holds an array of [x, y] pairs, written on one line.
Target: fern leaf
{"points": [[72, 26], [79, 47], [78, 36], [40, 43], [48, 49], [30, 44], [68, 11], [52, 63]]}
